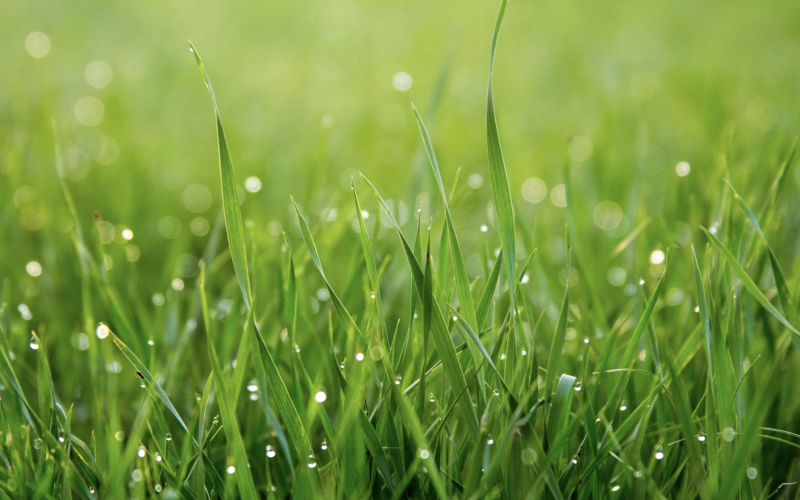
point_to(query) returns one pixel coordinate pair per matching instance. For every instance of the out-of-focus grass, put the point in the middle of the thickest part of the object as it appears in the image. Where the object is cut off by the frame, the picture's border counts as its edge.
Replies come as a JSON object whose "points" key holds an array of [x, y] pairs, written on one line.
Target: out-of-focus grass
{"points": [[619, 119]]}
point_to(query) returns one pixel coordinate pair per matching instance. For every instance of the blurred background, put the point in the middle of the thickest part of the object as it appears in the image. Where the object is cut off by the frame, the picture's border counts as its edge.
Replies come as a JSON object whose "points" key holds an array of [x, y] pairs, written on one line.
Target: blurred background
{"points": [[638, 99]]}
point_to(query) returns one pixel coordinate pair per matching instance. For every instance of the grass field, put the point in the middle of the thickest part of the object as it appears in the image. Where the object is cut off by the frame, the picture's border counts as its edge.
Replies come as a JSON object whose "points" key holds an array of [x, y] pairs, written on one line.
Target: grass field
{"points": [[577, 282]]}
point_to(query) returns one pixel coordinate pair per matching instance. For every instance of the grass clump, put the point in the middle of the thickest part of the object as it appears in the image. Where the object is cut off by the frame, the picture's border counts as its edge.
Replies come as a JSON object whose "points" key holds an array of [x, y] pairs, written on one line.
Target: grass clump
{"points": [[375, 363]]}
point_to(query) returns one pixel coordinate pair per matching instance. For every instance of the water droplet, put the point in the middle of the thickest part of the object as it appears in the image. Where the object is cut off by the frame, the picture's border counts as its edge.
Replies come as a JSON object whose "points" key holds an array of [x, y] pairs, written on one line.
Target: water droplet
{"points": [[752, 472], [37, 443], [524, 352], [586, 340], [398, 380], [360, 356], [231, 469], [142, 451], [728, 434], [503, 356], [697, 309], [529, 456], [312, 462], [169, 436], [150, 342], [158, 488], [623, 406], [615, 488], [341, 365], [637, 474], [372, 295], [484, 228], [423, 453], [91, 490], [701, 437], [659, 452], [641, 281], [296, 348], [158, 457], [496, 392], [432, 398], [34, 343], [320, 397], [270, 451], [574, 461], [324, 445], [252, 386], [490, 441], [578, 387]]}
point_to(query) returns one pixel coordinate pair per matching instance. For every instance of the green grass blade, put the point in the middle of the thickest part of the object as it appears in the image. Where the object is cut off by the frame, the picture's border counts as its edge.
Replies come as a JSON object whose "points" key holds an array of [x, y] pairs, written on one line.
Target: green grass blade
{"points": [[748, 281], [440, 334], [459, 268], [230, 198], [485, 301], [344, 316], [501, 189], [244, 477]]}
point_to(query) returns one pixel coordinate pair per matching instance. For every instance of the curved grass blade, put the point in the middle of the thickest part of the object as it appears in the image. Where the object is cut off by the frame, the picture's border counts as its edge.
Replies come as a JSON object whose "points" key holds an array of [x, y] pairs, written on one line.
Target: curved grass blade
{"points": [[640, 327], [501, 190], [784, 294], [369, 257], [230, 198], [441, 336], [459, 268], [344, 317], [748, 281]]}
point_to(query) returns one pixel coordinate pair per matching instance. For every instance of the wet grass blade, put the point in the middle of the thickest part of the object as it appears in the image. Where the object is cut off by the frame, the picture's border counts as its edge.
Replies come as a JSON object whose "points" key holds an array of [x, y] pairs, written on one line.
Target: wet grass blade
{"points": [[230, 198], [439, 332], [748, 282], [501, 189]]}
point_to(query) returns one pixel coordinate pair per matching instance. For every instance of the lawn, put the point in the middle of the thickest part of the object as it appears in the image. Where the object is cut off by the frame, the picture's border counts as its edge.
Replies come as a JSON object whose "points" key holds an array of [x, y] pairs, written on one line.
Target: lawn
{"points": [[335, 263]]}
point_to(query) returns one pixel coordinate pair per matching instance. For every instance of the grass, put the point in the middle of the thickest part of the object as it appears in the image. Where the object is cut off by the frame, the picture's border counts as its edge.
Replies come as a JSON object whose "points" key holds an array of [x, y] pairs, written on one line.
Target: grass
{"points": [[465, 350]]}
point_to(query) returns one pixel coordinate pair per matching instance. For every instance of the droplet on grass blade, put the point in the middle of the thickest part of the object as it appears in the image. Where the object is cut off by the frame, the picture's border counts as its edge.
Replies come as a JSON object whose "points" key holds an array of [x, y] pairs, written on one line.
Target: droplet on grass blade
{"points": [[270, 451], [311, 462], [728, 434]]}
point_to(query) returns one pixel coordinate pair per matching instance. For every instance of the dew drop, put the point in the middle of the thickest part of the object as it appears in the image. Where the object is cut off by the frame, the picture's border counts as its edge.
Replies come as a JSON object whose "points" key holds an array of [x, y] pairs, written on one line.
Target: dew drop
{"points": [[150, 342], [372, 295], [524, 352], [641, 281], [728, 434], [360, 356], [34, 343], [637, 474], [169, 436], [270, 451], [252, 386], [659, 452], [496, 392], [296, 348], [615, 488], [341, 365], [142, 451], [578, 387], [423, 453], [324, 445], [752, 473], [490, 441], [312, 462], [701, 438], [529, 456], [432, 398], [398, 380]]}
